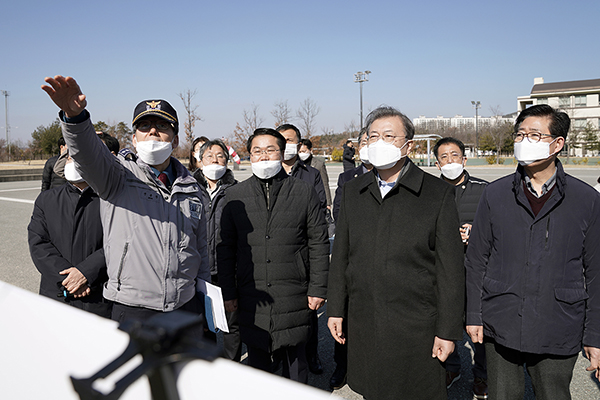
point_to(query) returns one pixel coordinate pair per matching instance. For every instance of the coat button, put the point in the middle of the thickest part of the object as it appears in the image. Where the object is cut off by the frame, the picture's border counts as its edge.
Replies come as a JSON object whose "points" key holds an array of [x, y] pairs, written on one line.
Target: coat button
{"points": [[269, 285], [267, 237], [268, 261]]}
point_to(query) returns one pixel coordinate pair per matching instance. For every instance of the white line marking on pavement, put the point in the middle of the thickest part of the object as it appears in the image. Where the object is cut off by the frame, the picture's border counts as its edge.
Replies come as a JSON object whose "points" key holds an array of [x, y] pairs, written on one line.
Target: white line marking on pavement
{"points": [[16, 190], [17, 200]]}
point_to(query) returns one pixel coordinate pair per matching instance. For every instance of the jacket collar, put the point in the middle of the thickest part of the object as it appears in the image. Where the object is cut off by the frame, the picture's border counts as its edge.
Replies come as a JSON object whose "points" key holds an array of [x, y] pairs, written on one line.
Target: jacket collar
{"points": [[299, 164], [555, 198], [226, 179], [184, 181], [412, 180]]}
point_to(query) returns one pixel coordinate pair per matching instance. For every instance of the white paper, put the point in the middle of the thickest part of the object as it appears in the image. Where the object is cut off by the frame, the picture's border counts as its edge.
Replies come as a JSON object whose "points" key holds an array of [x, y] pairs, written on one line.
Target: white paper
{"points": [[218, 306]]}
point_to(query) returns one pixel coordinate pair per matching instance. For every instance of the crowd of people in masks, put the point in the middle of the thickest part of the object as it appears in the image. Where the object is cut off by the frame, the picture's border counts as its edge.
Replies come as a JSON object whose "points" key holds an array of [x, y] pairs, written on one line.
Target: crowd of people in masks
{"points": [[417, 259]]}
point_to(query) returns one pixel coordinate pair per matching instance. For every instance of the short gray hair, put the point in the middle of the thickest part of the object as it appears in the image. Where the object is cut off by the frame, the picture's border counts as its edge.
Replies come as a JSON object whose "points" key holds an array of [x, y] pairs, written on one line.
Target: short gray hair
{"points": [[212, 143], [387, 111]]}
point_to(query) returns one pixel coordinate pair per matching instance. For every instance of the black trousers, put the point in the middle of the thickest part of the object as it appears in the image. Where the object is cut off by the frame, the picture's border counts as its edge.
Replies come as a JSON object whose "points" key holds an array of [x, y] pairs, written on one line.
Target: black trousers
{"points": [[550, 374], [293, 358], [313, 341], [232, 344], [122, 312]]}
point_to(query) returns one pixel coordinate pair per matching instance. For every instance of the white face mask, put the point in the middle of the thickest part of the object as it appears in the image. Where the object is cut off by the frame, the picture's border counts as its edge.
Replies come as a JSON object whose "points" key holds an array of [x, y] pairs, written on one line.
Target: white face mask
{"points": [[304, 156], [527, 152], [384, 155], [153, 152], [214, 172], [71, 174], [291, 149], [452, 170], [364, 154], [266, 169]]}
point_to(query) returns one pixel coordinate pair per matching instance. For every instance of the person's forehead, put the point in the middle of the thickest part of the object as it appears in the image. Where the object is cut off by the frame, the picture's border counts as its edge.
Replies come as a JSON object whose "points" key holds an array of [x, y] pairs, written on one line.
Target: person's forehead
{"points": [[264, 141], [383, 124], [289, 134], [536, 123], [449, 148], [215, 148]]}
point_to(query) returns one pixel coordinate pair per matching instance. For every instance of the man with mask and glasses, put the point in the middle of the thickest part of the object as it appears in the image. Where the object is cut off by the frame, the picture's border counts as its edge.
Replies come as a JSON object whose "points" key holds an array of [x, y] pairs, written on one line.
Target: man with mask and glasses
{"points": [[152, 218], [397, 270], [273, 258], [450, 160], [533, 264]]}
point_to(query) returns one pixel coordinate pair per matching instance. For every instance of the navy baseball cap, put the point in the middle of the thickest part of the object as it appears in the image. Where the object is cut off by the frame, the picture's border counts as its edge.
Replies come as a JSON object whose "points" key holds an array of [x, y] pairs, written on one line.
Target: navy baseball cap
{"points": [[159, 108]]}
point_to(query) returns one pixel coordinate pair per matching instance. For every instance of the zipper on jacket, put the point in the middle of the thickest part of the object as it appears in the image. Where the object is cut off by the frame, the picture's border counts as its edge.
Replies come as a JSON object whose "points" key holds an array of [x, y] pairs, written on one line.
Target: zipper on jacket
{"points": [[268, 199], [121, 265]]}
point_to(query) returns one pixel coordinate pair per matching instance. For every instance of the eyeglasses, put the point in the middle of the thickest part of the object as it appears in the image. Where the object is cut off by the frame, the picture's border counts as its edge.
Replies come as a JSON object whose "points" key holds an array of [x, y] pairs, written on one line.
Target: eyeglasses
{"points": [[218, 156], [146, 125], [388, 138], [454, 156], [533, 137], [259, 152]]}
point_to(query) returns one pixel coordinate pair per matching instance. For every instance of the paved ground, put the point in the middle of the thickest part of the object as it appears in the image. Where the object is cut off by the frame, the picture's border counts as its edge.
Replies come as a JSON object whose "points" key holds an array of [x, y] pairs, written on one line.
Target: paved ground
{"points": [[16, 268]]}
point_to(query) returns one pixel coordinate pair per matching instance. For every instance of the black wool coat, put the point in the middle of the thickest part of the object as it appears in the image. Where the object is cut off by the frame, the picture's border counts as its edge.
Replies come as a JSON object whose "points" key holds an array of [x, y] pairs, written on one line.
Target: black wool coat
{"points": [[66, 231], [397, 275], [272, 255]]}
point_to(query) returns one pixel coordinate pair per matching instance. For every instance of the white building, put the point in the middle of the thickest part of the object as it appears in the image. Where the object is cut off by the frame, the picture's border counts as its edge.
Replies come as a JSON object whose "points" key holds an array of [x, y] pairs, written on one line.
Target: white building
{"points": [[579, 99], [458, 121]]}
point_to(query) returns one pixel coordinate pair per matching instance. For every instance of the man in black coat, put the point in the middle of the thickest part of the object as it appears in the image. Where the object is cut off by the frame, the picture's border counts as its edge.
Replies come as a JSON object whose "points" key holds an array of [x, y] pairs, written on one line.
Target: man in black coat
{"points": [[396, 271], [306, 155], [340, 351], [273, 257], [49, 178], [450, 155], [65, 242], [533, 266], [348, 155], [350, 174], [294, 166]]}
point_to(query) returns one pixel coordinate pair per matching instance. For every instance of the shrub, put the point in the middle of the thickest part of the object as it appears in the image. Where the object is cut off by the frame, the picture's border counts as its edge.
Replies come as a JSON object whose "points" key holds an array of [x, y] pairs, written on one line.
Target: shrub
{"points": [[336, 155], [491, 159]]}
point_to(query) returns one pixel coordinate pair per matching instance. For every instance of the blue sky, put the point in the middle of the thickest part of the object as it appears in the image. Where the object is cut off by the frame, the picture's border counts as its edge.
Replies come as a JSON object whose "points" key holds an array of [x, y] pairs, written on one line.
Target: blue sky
{"points": [[427, 58]]}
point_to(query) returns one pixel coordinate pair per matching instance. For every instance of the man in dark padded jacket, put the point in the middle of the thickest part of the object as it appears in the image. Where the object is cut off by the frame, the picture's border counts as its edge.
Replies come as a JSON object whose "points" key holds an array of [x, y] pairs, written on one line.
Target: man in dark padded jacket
{"points": [[451, 161], [273, 258]]}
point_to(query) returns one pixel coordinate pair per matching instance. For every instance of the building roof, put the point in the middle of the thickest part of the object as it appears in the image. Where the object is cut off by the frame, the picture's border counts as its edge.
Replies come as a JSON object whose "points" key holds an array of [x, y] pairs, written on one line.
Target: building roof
{"points": [[569, 86]]}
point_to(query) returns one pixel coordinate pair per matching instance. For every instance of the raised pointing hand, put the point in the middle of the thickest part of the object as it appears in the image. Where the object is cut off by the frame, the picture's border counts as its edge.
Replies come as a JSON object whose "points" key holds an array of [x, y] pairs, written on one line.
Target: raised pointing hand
{"points": [[66, 94]]}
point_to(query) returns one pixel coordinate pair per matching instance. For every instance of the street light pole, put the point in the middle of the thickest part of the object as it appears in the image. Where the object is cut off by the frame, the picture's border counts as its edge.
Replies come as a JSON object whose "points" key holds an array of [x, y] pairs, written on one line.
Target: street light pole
{"points": [[477, 106], [361, 77], [5, 93]]}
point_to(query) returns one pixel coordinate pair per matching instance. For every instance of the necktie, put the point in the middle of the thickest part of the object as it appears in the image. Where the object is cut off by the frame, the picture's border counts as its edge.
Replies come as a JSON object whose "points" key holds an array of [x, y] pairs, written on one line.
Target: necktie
{"points": [[164, 179]]}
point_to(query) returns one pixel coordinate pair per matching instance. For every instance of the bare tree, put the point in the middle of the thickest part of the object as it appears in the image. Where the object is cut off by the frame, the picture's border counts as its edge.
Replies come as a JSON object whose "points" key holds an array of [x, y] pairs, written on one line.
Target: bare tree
{"points": [[241, 132], [499, 131], [190, 111], [307, 113], [282, 113]]}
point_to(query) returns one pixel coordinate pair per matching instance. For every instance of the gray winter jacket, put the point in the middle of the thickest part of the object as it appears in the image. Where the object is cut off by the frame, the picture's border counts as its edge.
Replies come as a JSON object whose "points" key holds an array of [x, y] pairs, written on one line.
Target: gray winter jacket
{"points": [[154, 240]]}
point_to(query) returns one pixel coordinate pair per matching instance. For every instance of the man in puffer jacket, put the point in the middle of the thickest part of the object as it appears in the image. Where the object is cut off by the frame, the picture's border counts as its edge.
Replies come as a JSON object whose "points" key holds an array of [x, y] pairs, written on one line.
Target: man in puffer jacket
{"points": [[273, 257]]}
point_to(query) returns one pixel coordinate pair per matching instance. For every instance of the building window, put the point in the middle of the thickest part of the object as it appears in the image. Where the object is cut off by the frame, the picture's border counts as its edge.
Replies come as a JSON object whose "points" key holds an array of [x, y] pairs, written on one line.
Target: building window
{"points": [[564, 101], [579, 124], [581, 101], [542, 100]]}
